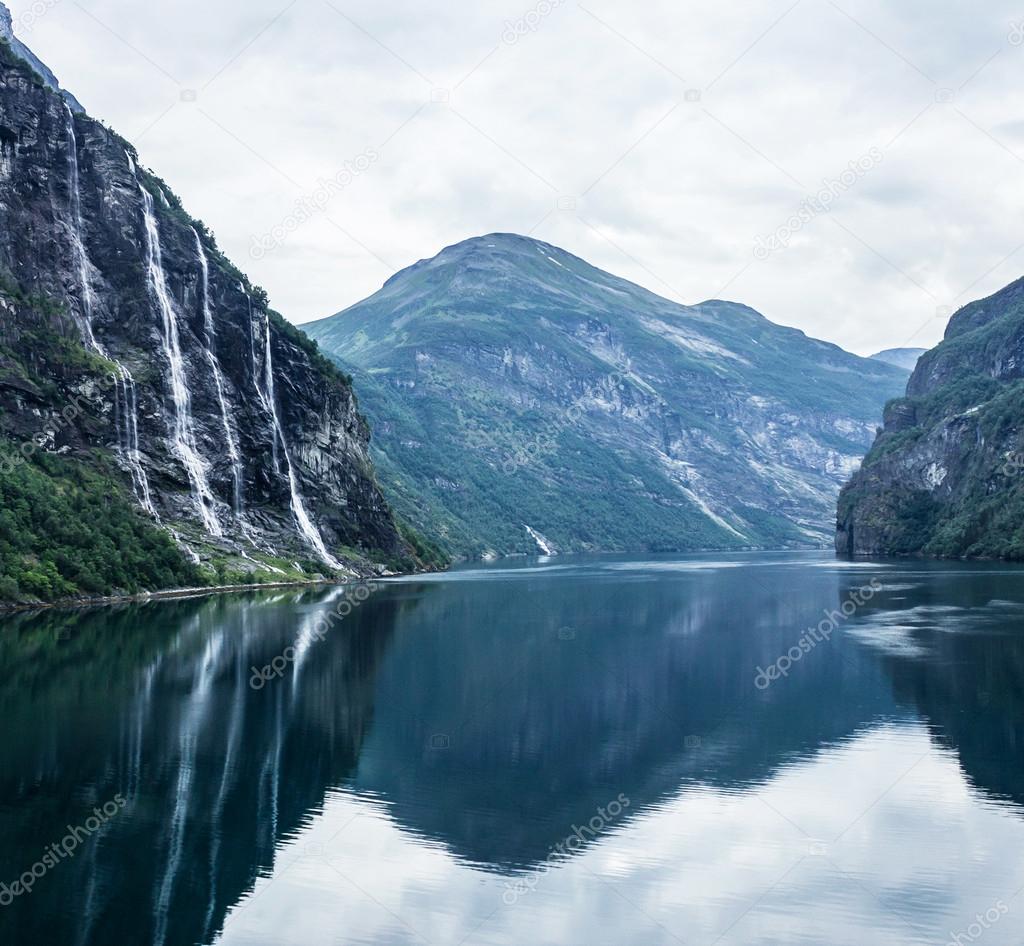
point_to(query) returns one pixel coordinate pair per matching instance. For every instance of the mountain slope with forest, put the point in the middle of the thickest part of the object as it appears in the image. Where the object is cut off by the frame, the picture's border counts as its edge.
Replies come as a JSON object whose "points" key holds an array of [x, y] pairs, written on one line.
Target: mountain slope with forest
{"points": [[528, 401], [945, 477]]}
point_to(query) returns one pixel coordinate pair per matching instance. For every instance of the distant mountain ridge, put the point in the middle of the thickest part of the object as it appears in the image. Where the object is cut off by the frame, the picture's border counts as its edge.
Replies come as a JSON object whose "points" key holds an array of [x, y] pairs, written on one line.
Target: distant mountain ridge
{"points": [[900, 357], [528, 401]]}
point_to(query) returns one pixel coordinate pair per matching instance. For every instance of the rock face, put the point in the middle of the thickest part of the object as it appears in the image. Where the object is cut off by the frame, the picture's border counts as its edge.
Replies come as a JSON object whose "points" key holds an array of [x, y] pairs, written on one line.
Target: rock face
{"points": [[945, 476], [531, 402], [123, 329]]}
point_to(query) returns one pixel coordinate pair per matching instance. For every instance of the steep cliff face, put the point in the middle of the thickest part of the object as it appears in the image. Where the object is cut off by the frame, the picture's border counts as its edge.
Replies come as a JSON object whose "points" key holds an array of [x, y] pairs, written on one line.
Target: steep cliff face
{"points": [[945, 476], [125, 333], [529, 401]]}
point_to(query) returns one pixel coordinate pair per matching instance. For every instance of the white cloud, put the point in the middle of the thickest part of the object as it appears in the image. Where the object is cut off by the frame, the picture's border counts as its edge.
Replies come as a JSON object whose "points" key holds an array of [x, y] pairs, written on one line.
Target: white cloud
{"points": [[582, 106]]}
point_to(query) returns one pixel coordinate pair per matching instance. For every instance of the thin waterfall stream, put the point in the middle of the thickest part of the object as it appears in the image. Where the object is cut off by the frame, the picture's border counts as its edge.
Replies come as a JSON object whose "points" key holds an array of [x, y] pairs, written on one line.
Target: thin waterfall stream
{"points": [[230, 435], [126, 395], [268, 397]]}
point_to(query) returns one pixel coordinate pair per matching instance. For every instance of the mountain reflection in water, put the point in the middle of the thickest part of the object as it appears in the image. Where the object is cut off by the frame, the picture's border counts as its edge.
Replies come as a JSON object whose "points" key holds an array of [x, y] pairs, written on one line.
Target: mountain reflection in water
{"points": [[486, 714]]}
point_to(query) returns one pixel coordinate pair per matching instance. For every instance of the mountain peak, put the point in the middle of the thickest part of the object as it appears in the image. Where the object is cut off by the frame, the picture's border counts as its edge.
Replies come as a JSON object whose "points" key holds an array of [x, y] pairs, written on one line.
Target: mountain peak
{"points": [[487, 254], [504, 356]]}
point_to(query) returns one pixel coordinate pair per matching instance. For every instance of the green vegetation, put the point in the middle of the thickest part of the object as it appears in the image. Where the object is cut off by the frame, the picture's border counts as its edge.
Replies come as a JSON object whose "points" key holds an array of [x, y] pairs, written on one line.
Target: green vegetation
{"points": [[8, 57], [475, 486], [303, 342], [966, 414], [68, 529]]}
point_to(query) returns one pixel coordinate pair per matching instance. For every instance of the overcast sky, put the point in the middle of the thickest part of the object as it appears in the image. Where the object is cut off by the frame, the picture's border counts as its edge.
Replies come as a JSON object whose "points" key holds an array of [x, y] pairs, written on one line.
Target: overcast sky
{"points": [[665, 141]]}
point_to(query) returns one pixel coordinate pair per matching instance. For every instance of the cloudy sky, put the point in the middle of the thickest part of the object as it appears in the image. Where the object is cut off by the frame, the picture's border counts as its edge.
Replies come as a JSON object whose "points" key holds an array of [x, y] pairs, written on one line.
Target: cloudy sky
{"points": [[853, 168]]}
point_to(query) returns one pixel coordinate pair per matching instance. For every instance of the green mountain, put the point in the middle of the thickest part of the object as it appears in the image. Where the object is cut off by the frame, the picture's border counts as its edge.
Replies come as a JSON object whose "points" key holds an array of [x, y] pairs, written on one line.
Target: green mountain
{"points": [[522, 399], [946, 475]]}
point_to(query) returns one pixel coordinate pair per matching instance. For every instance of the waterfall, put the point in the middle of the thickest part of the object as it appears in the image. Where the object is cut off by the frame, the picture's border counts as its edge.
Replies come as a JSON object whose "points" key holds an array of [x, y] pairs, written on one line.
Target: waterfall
{"points": [[128, 395], [268, 398], [85, 318], [184, 429], [196, 714], [218, 378], [126, 399]]}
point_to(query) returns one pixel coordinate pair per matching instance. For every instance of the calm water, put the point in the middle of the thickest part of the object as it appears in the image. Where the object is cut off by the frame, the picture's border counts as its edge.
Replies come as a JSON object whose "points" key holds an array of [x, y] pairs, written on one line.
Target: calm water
{"points": [[565, 751]]}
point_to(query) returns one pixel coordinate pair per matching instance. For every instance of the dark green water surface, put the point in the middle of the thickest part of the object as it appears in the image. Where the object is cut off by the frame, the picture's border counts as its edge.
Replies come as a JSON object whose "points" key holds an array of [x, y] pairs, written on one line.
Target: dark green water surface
{"points": [[602, 750]]}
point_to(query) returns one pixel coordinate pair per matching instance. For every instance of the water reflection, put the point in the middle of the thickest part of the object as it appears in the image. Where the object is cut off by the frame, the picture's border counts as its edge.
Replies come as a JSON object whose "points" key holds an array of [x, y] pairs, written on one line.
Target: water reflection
{"points": [[410, 769], [552, 695], [154, 704]]}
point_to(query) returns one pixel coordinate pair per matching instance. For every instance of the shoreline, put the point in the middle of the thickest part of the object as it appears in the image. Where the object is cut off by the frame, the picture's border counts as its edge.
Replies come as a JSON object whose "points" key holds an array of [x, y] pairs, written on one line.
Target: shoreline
{"points": [[74, 604]]}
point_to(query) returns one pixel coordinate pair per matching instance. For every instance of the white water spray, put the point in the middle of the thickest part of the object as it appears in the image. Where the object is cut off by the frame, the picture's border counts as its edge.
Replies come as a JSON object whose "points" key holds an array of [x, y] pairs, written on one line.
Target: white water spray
{"points": [[184, 429], [84, 278], [218, 378], [126, 397]]}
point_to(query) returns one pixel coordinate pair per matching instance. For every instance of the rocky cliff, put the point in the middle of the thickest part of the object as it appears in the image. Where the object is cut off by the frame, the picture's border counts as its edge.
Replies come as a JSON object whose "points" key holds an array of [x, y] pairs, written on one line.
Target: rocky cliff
{"points": [[529, 401], [945, 476], [127, 339]]}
